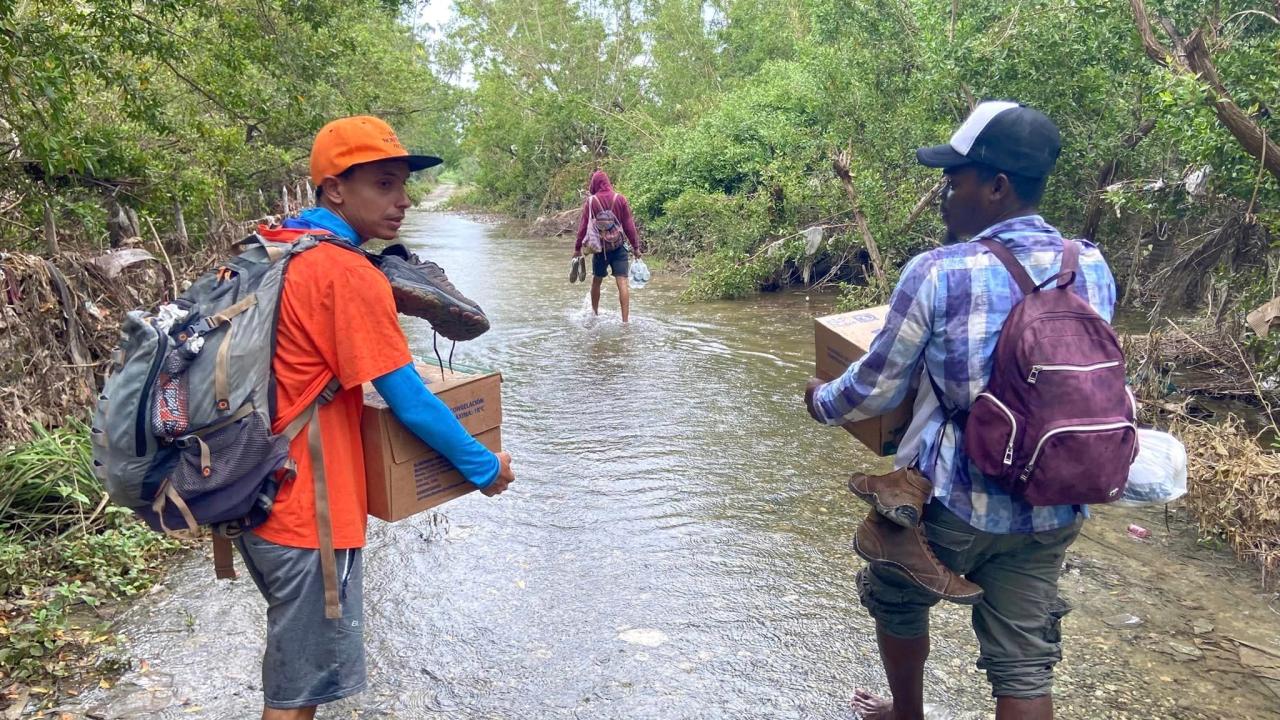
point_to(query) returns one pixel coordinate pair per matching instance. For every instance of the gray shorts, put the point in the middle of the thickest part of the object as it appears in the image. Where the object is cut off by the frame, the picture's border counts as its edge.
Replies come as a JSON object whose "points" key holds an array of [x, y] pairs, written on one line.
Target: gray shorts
{"points": [[617, 260], [310, 660], [1017, 621]]}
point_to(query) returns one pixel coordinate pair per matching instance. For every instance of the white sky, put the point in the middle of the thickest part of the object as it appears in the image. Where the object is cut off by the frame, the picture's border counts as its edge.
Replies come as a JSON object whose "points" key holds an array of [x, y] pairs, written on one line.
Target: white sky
{"points": [[434, 13]]}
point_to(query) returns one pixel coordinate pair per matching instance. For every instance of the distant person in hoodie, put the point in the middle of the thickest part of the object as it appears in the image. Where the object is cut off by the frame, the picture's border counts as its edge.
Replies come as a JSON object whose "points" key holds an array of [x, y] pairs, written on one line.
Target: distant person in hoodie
{"points": [[610, 214]]}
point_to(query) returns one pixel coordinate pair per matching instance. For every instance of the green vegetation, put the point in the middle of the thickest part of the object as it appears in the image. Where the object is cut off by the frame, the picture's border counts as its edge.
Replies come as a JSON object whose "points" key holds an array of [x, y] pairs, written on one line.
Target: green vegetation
{"points": [[755, 138], [63, 552], [721, 121], [208, 108], [194, 117]]}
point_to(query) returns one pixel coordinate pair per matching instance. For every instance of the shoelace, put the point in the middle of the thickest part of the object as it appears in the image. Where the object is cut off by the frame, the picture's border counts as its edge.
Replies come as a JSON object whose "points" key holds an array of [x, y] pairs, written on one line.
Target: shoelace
{"points": [[435, 346]]}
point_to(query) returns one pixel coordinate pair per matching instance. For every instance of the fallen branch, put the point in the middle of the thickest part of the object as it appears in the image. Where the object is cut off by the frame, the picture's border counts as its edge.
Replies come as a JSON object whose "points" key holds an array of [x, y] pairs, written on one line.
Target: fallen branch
{"points": [[841, 166], [1192, 57], [925, 201], [168, 266]]}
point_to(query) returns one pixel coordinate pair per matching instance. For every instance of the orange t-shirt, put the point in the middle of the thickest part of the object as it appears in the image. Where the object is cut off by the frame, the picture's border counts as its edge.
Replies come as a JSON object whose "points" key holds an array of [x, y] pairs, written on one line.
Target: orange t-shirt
{"points": [[337, 319]]}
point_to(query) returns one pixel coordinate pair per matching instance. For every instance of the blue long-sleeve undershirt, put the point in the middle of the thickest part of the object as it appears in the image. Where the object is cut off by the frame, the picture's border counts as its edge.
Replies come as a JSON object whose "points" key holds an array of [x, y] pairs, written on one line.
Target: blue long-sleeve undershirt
{"points": [[434, 424]]}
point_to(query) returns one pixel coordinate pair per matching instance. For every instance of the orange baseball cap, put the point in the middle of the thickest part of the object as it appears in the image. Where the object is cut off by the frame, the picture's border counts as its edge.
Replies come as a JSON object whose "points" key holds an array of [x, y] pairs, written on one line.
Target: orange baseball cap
{"points": [[355, 140]]}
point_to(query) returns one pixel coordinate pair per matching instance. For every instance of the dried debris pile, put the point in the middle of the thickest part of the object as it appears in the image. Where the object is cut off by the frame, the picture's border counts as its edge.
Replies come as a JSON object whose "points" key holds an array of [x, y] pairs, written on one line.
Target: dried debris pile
{"points": [[1233, 490], [60, 321]]}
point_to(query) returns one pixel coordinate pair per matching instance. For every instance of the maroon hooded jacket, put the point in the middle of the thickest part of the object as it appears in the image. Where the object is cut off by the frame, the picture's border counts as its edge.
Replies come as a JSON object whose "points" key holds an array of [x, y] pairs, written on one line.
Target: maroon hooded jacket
{"points": [[606, 197]]}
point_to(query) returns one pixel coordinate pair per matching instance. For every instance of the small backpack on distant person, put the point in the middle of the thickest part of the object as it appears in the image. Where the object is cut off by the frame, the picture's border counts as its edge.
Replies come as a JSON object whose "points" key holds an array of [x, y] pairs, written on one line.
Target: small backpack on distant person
{"points": [[182, 429], [1056, 424], [606, 224]]}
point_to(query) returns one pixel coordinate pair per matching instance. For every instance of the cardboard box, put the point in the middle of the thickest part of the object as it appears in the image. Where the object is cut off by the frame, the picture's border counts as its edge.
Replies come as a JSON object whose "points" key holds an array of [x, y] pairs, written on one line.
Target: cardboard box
{"points": [[404, 476], [841, 339]]}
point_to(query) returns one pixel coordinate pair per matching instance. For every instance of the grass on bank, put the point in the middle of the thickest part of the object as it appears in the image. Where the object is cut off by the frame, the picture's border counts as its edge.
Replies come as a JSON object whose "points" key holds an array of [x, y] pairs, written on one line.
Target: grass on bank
{"points": [[64, 552]]}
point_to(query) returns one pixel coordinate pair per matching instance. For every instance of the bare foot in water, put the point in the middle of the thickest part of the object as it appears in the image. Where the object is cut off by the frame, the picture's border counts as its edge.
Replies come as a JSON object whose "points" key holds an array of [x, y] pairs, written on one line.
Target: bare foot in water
{"points": [[871, 707]]}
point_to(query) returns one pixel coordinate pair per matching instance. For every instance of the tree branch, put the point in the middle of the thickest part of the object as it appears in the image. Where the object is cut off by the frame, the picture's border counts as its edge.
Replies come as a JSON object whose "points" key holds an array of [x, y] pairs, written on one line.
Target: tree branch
{"points": [[1244, 128], [1106, 174], [1193, 58], [841, 165], [1158, 53]]}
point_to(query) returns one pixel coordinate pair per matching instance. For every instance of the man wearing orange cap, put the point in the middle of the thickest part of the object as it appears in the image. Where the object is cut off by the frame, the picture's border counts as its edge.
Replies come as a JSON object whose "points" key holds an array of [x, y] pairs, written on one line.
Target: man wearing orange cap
{"points": [[338, 321]]}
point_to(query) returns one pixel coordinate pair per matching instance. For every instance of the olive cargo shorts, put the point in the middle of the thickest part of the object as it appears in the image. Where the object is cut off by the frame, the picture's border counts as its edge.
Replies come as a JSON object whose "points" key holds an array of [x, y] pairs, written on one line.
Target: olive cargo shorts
{"points": [[1017, 621]]}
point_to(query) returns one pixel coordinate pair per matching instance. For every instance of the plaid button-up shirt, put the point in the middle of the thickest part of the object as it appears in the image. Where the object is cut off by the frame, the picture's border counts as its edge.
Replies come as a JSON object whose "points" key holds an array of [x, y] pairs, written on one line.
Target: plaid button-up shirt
{"points": [[946, 312]]}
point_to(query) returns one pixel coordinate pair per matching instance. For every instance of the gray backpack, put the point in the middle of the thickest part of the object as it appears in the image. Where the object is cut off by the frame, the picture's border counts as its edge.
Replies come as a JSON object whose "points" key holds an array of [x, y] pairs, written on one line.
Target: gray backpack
{"points": [[182, 429]]}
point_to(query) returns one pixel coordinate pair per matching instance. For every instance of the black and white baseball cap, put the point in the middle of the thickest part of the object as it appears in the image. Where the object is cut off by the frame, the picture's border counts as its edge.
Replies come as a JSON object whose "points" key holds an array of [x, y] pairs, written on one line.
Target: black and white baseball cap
{"points": [[1008, 136]]}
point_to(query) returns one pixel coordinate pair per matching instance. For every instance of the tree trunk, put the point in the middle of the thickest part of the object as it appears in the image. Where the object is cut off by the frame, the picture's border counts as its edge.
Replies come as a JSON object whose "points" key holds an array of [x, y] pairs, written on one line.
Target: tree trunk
{"points": [[1106, 175], [180, 225], [50, 230], [1192, 58]]}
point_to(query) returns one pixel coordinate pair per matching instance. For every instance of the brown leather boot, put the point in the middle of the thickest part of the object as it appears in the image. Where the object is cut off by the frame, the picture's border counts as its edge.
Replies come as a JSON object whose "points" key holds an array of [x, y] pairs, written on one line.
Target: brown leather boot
{"points": [[899, 495], [905, 554]]}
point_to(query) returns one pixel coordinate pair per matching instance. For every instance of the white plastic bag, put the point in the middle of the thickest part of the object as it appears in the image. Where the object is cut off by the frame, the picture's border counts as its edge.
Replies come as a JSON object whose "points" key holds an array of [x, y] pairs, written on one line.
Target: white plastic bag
{"points": [[639, 275], [1159, 474]]}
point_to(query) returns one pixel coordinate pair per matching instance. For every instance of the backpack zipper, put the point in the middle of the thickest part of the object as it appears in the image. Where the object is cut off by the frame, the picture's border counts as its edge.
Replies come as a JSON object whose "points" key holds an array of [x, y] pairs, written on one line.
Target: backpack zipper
{"points": [[1013, 435], [1037, 369], [1069, 428], [1133, 400]]}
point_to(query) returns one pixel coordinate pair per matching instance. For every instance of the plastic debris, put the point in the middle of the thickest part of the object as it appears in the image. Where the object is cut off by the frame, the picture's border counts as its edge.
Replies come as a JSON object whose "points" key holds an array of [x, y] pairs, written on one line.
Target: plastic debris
{"points": [[1159, 474], [812, 239]]}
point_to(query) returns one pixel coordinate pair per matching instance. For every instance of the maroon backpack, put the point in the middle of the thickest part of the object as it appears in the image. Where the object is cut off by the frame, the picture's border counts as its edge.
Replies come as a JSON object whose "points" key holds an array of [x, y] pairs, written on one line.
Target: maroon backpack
{"points": [[1056, 423]]}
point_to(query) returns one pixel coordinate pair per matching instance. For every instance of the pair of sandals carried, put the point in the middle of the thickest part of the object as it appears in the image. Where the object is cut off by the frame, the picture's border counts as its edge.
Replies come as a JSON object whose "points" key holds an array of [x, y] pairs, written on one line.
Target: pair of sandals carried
{"points": [[578, 269]]}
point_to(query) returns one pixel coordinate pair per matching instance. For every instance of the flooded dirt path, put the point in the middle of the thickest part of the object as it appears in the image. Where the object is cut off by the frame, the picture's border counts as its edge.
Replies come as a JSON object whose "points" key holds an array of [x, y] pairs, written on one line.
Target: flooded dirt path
{"points": [[677, 546]]}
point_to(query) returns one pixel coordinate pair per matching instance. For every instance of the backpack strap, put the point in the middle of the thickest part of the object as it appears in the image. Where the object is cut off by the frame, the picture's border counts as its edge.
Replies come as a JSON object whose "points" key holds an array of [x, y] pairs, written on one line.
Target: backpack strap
{"points": [[324, 523], [1019, 273], [223, 564], [1070, 264], [1065, 276]]}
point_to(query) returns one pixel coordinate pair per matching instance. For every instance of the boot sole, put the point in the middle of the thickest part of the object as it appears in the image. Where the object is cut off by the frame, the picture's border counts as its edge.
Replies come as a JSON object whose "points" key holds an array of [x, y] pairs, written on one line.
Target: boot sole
{"points": [[905, 515], [899, 572], [438, 308]]}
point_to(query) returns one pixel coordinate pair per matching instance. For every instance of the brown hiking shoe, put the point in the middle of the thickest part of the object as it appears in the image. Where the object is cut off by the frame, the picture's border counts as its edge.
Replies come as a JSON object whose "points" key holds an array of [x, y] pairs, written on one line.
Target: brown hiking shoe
{"points": [[421, 289], [904, 553], [899, 495]]}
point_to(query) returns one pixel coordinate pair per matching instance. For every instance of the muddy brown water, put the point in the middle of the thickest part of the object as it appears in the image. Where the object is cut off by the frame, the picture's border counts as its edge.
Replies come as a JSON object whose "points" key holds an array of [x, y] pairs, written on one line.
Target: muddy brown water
{"points": [[676, 545]]}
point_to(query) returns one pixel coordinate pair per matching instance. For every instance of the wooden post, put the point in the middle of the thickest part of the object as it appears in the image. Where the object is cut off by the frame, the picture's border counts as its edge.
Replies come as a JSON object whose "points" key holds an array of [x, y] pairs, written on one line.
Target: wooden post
{"points": [[50, 230], [180, 225]]}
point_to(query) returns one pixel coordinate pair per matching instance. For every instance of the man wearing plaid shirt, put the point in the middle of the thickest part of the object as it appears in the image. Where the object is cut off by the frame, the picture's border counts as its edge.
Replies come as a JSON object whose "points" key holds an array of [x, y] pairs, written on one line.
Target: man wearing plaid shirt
{"points": [[945, 317]]}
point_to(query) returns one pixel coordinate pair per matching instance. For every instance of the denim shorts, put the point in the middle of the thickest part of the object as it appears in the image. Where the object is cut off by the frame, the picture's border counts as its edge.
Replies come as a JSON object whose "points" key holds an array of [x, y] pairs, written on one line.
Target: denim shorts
{"points": [[618, 260], [310, 659], [1017, 621]]}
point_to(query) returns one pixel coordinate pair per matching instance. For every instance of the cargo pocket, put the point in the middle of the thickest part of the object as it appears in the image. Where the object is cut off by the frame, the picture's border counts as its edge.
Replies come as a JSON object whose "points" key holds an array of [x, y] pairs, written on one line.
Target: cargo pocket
{"points": [[953, 545], [223, 455], [1058, 609]]}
